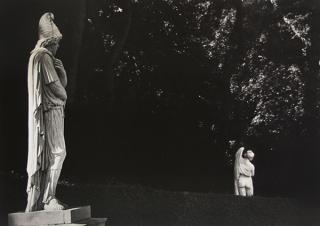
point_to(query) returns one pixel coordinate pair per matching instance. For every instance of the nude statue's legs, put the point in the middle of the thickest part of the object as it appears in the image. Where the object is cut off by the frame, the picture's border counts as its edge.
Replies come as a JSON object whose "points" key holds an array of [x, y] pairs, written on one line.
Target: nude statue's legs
{"points": [[245, 186], [242, 186], [236, 187], [249, 187], [249, 191], [242, 191]]}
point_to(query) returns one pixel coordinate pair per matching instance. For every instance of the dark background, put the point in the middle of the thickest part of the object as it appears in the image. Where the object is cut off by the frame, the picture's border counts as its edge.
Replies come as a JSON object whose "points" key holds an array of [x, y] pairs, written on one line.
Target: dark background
{"points": [[128, 132]]}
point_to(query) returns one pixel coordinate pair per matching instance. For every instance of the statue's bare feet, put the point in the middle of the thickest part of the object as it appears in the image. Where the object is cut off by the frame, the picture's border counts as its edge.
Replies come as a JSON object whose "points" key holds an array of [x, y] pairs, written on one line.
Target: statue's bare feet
{"points": [[53, 205]]}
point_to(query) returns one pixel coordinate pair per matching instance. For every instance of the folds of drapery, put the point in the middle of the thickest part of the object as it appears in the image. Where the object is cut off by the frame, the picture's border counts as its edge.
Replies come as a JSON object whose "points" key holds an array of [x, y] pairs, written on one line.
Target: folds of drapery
{"points": [[37, 158]]}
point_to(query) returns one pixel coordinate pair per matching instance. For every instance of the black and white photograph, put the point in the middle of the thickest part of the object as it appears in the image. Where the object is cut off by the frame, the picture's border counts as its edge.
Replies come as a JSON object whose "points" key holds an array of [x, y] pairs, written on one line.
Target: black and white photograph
{"points": [[160, 113]]}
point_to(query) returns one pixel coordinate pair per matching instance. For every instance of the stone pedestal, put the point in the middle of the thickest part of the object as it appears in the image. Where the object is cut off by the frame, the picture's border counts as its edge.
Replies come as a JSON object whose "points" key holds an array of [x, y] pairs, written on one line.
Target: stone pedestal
{"points": [[79, 216]]}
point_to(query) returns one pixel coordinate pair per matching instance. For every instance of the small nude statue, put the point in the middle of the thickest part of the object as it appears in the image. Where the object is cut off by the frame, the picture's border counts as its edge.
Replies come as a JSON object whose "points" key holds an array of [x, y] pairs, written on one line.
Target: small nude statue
{"points": [[47, 81], [243, 172]]}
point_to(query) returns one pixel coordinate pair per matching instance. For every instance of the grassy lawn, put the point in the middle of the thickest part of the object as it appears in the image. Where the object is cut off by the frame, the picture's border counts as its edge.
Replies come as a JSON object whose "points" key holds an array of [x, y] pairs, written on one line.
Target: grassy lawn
{"points": [[125, 204]]}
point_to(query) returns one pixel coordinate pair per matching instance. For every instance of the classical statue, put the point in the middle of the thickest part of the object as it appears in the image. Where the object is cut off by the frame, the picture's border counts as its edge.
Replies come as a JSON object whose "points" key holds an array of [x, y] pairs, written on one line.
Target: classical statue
{"points": [[47, 97], [243, 173]]}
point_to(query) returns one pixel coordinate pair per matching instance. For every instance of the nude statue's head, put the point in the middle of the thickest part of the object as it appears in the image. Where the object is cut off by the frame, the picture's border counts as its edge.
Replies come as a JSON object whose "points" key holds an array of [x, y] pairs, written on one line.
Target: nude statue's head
{"points": [[249, 155]]}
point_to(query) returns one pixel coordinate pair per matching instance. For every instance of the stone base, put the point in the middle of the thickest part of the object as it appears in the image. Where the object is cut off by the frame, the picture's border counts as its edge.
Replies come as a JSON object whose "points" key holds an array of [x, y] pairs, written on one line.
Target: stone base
{"points": [[80, 216], [93, 222]]}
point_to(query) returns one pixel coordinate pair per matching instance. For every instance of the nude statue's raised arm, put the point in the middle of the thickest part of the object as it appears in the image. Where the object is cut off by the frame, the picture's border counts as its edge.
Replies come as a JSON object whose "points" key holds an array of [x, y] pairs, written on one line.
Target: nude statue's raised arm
{"points": [[238, 160], [253, 170]]}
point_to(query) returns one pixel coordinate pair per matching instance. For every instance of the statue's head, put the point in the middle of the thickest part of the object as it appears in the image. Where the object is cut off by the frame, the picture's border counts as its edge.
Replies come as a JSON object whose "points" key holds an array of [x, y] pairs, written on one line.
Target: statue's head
{"points": [[47, 28], [49, 34], [249, 155]]}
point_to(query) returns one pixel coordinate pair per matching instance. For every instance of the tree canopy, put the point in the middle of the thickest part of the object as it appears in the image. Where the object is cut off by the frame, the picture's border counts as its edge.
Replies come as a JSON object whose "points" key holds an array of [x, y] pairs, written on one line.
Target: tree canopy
{"points": [[241, 72], [184, 83]]}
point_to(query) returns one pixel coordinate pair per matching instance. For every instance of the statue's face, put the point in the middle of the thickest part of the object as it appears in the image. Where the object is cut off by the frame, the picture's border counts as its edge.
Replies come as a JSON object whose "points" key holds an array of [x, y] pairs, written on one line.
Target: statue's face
{"points": [[53, 48]]}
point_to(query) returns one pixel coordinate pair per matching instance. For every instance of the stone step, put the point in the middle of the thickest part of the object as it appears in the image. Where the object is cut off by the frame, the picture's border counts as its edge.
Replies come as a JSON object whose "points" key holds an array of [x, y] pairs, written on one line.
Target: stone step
{"points": [[94, 222], [43, 217]]}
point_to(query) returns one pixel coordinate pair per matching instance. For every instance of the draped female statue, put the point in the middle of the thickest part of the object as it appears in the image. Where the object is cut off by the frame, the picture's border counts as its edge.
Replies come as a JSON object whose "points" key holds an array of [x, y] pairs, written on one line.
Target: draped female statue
{"points": [[47, 97]]}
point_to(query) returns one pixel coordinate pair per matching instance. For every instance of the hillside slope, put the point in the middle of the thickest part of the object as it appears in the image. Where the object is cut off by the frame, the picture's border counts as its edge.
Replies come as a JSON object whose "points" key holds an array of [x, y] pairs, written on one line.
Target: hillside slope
{"points": [[137, 205]]}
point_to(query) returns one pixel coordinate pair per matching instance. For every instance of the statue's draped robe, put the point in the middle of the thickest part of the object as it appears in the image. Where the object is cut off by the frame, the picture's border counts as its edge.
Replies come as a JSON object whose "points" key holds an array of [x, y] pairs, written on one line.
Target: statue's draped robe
{"points": [[241, 168], [36, 156], [45, 127]]}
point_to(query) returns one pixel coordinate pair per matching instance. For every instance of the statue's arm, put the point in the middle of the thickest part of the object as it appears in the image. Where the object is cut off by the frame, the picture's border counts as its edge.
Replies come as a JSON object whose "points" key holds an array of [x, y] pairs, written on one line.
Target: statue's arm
{"points": [[51, 78], [58, 90], [237, 162], [61, 72], [253, 170], [239, 153]]}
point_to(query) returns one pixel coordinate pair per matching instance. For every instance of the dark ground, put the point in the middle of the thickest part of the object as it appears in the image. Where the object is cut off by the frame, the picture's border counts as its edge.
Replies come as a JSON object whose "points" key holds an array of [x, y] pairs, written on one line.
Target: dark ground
{"points": [[126, 204]]}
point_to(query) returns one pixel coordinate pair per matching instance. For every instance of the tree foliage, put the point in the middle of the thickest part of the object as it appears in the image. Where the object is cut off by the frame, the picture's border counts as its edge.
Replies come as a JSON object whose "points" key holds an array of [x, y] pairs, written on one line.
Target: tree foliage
{"points": [[241, 72], [180, 52]]}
